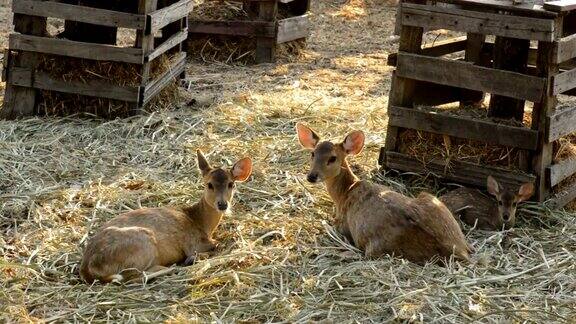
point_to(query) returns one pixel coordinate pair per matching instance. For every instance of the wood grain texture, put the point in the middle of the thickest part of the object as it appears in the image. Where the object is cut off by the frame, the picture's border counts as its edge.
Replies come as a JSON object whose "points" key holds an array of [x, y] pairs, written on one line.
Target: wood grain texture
{"points": [[564, 82], [561, 122], [156, 85], [233, 28], [293, 28], [560, 6], [170, 14], [562, 170], [436, 49], [167, 45]]}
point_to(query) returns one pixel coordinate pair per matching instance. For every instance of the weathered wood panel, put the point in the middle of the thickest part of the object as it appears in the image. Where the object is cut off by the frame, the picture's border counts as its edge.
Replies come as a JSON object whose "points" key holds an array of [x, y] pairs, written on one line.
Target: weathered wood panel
{"points": [[463, 127], [233, 28], [433, 17], [524, 9], [561, 199], [266, 46], [154, 87], [462, 172], [561, 122], [293, 28], [566, 49], [75, 49], [24, 77], [170, 14], [437, 49], [561, 171], [170, 43], [560, 6], [469, 76], [564, 81], [79, 13]]}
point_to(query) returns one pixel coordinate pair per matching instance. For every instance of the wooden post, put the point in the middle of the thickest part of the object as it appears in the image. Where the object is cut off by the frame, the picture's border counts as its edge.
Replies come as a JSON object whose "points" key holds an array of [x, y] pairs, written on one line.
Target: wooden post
{"points": [[473, 53], [266, 47], [20, 101], [145, 41], [402, 90], [511, 55]]}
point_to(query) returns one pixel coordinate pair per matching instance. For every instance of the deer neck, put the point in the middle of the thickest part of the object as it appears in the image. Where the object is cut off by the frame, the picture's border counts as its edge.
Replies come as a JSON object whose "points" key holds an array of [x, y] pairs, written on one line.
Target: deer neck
{"points": [[339, 186], [206, 216]]}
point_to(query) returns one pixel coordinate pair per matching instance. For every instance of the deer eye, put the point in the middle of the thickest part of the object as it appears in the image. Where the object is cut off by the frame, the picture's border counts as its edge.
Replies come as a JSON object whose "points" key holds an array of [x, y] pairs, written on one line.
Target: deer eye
{"points": [[312, 154], [231, 185], [500, 203], [210, 186], [332, 159]]}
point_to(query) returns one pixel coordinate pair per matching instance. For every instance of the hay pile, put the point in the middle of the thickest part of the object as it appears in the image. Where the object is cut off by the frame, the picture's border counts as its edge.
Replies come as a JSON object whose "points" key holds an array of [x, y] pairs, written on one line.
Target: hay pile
{"points": [[233, 49]]}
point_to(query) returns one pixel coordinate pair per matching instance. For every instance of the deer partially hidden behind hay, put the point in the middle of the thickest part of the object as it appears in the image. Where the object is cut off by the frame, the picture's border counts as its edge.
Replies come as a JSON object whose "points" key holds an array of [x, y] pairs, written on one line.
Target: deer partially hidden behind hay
{"points": [[150, 239], [376, 219], [487, 213]]}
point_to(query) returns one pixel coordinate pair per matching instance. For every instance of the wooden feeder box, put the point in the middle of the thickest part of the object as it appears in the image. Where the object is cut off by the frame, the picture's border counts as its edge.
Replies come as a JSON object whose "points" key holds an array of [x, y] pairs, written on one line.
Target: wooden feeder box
{"points": [[516, 53], [264, 25], [91, 33]]}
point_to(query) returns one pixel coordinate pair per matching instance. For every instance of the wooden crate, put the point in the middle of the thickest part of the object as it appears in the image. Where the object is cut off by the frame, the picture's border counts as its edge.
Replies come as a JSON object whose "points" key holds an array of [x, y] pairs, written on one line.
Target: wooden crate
{"points": [[268, 30], [508, 68], [30, 42]]}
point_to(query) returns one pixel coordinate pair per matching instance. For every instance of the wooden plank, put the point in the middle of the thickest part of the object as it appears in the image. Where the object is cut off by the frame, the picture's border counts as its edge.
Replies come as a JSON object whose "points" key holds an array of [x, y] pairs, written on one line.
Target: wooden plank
{"points": [[70, 48], [560, 123], [469, 76], [266, 46], [563, 82], [436, 49], [164, 16], [560, 6], [170, 43], [562, 170], [293, 28], [462, 172], [24, 77], [528, 8], [79, 13], [154, 87], [474, 54], [432, 17], [462, 127], [566, 49], [233, 28], [561, 199]]}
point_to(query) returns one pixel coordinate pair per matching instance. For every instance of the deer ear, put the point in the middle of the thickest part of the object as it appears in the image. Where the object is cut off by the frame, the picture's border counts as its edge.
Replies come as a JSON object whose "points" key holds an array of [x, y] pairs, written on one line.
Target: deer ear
{"points": [[354, 142], [203, 165], [525, 192], [493, 186], [242, 170], [307, 137]]}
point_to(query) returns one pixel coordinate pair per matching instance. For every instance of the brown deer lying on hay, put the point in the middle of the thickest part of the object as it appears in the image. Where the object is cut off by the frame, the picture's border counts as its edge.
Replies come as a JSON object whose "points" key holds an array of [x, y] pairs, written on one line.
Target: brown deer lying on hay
{"points": [[375, 218], [487, 213], [150, 239]]}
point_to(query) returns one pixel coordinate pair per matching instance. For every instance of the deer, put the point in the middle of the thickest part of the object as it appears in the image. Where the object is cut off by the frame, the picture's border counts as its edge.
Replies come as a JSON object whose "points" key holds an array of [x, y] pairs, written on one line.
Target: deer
{"points": [[487, 213], [149, 240], [376, 219]]}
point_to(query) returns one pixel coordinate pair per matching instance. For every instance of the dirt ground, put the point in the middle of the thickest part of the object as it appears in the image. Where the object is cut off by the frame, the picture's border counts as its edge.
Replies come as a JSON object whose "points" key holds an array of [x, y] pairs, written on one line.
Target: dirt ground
{"points": [[279, 259]]}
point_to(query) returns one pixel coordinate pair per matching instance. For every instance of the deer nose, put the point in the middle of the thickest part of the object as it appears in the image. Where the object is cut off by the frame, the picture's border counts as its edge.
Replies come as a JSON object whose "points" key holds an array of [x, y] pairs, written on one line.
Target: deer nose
{"points": [[312, 177], [506, 217], [222, 205]]}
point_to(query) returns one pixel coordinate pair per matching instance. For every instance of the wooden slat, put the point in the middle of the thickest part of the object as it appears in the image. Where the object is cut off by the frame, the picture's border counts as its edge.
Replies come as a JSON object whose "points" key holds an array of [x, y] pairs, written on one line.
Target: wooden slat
{"points": [[155, 86], [560, 6], [290, 29], [527, 8], [79, 13], [462, 172], [562, 170], [561, 199], [233, 28], [168, 44], [462, 127], [564, 81], [164, 16], [469, 76], [436, 49], [75, 49], [433, 17], [40, 80], [566, 49], [561, 123]]}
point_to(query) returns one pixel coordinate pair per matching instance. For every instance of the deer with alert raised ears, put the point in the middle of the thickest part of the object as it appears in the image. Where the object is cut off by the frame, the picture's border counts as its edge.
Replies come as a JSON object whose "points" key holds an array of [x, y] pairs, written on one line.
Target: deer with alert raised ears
{"points": [[487, 213], [150, 239], [376, 219]]}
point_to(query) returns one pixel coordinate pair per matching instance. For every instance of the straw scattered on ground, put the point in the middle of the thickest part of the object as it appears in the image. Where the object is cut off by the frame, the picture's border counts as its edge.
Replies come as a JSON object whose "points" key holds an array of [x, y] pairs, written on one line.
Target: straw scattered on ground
{"points": [[279, 259]]}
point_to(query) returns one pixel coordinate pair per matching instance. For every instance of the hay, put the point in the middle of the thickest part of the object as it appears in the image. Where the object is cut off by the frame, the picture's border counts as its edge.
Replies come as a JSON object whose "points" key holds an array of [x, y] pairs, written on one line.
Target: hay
{"points": [[60, 179], [233, 49]]}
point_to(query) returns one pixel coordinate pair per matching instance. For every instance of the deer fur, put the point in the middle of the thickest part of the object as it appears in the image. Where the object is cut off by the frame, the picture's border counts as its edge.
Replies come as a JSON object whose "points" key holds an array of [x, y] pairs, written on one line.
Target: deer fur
{"points": [[150, 239], [375, 218]]}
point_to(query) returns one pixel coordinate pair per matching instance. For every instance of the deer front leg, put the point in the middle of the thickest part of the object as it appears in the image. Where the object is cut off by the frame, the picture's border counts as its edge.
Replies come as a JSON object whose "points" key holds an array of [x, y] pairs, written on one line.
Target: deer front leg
{"points": [[342, 227], [203, 245]]}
